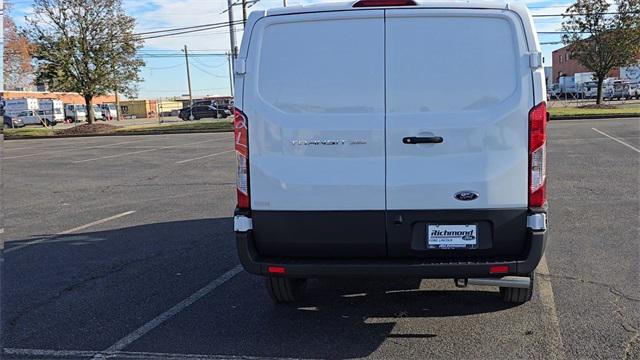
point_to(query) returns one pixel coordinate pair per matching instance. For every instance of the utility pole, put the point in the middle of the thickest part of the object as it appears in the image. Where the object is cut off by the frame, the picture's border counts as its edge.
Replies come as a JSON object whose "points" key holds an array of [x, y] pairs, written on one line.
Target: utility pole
{"points": [[117, 106], [186, 59], [284, 3], [244, 12], [232, 30], [230, 59]]}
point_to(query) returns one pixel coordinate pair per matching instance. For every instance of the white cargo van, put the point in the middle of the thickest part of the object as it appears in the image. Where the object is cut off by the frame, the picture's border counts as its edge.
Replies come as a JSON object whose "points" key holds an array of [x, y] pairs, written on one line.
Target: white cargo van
{"points": [[75, 113], [354, 158], [51, 110]]}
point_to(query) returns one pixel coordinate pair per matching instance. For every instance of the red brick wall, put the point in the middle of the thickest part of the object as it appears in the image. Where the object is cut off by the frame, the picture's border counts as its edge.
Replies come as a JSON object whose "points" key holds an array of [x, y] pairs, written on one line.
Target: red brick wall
{"points": [[562, 63]]}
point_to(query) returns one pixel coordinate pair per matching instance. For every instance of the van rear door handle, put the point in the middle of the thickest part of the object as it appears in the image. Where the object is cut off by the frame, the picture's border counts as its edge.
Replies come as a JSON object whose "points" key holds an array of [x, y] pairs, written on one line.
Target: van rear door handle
{"points": [[422, 140]]}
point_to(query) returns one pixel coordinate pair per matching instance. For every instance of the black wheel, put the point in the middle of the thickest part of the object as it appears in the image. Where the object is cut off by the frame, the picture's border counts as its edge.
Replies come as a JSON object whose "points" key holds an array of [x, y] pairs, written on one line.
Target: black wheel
{"points": [[69, 119], [285, 290], [47, 122], [517, 295]]}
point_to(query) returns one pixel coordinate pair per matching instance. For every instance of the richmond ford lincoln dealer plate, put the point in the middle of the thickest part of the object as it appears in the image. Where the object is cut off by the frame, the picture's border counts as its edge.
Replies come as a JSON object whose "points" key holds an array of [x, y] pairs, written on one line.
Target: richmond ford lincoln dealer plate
{"points": [[452, 236]]}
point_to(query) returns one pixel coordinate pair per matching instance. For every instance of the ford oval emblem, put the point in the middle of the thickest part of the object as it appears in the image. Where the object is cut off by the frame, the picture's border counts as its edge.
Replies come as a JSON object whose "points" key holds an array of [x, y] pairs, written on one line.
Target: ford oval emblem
{"points": [[466, 195]]}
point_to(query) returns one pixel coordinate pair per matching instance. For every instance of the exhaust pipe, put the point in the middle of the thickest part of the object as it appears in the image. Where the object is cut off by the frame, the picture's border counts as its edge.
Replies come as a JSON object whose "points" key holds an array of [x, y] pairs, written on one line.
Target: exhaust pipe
{"points": [[522, 282]]}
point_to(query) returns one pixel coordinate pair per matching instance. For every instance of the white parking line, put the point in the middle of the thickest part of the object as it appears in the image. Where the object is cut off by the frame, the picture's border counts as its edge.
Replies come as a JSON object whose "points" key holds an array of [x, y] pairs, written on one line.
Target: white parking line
{"points": [[545, 293], [141, 331], [202, 157], [142, 151], [45, 152], [130, 355], [69, 231], [616, 139]]}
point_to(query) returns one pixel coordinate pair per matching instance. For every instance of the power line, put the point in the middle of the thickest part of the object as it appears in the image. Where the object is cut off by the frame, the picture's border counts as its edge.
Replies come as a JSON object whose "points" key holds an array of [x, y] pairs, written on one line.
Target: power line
{"points": [[577, 14], [209, 73], [210, 66], [225, 23], [219, 26]]}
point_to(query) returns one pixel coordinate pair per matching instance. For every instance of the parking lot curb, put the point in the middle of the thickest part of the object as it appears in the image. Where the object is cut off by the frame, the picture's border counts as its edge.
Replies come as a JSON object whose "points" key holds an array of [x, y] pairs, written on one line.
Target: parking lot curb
{"points": [[594, 117], [124, 133]]}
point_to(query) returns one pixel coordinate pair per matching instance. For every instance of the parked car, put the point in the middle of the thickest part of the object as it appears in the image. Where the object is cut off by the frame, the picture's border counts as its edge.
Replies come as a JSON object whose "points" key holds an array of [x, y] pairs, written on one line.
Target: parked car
{"points": [[554, 91], [617, 89], [357, 161], [634, 91], [588, 90], [36, 117], [201, 111], [97, 113], [109, 111], [10, 122]]}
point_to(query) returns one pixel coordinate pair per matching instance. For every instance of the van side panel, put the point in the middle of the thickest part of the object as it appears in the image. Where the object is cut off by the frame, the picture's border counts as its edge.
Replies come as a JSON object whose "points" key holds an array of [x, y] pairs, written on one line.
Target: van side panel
{"points": [[314, 99]]}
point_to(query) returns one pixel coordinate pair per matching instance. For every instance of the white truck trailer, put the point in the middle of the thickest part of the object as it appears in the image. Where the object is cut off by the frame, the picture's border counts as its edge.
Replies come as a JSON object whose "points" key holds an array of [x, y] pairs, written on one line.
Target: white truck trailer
{"points": [[27, 110]]}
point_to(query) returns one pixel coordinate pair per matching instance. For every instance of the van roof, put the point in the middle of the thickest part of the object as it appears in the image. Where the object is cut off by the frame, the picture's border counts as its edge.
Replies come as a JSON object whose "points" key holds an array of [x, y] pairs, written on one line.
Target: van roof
{"points": [[347, 5]]}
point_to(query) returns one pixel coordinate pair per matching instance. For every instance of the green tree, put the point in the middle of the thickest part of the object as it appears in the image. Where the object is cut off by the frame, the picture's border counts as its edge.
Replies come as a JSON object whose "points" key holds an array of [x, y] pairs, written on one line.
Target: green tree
{"points": [[601, 38], [85, 46]]}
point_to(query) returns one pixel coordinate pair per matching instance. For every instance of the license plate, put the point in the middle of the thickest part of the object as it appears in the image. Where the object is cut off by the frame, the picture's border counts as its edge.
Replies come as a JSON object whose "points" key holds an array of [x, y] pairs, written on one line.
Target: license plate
{"points": [[452, 236]]}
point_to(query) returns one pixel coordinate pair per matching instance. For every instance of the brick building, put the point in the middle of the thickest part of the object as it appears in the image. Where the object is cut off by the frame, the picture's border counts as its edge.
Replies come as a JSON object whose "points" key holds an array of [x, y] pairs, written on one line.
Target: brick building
{"points": [[67, 98], [563, 65]]}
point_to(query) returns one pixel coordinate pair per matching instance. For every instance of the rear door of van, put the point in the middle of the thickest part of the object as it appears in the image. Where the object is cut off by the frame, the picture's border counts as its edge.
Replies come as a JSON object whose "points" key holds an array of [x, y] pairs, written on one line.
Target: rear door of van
{"points": [[313, 95], [458, 93]]}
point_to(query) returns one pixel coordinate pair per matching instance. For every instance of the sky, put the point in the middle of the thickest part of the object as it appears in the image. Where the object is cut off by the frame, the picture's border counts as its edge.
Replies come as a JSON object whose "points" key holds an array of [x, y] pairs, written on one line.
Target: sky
{"points": [[166, 76]]}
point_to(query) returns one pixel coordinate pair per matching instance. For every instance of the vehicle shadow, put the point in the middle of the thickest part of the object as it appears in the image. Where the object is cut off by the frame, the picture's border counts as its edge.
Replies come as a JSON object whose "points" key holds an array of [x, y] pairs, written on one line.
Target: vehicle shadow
{"points": [[338, 318], [111, 282]]}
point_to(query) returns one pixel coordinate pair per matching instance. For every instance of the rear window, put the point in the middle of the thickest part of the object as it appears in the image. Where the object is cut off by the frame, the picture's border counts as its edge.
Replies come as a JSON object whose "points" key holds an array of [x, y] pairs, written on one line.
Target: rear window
{"points": [[450, 63], [329, 66]]}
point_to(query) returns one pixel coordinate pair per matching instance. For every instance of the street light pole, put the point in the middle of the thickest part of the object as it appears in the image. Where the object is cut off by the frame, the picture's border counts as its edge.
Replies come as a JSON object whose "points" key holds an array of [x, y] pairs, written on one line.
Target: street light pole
{"points": [[186, 59], [284, 3]]}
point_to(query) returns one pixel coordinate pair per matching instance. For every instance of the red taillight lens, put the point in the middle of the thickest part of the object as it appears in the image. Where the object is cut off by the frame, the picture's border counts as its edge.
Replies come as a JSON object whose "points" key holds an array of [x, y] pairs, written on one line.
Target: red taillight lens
{"points": [[537, 155], [276, 270], [374, 3], [499, 269], [242, 156]]}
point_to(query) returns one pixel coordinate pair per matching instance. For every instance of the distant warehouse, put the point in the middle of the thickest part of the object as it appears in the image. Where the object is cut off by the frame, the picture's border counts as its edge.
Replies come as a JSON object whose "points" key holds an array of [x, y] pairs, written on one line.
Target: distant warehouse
{"points": [[65, 97], [565, 65], [149, 108]]}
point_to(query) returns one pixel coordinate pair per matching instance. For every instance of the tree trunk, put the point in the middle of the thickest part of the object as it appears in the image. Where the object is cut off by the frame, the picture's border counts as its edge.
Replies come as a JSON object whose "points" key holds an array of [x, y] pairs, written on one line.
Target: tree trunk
{"points": [[599, 96], [88, 101]]}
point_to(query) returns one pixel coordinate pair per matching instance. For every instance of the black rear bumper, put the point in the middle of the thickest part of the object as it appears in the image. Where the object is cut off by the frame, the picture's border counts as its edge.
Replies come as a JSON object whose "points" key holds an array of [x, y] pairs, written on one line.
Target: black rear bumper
{"points": [[423, 268]]}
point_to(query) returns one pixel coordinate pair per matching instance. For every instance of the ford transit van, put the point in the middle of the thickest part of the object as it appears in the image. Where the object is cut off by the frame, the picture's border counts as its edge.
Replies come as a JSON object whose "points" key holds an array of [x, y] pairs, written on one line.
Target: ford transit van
{"points": [[358, 153]]}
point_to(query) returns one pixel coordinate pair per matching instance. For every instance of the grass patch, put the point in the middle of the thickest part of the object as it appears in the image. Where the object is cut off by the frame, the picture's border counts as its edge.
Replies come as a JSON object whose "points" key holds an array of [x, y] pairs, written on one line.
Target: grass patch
{"points": [[187, 126], [586, 112], [101, 129], [26, 132]]}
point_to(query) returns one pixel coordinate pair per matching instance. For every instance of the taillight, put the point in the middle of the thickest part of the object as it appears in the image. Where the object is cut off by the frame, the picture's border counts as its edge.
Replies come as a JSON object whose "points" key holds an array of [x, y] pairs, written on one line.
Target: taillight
{"points": [[242, 156], [537, 155], [374, 3]]}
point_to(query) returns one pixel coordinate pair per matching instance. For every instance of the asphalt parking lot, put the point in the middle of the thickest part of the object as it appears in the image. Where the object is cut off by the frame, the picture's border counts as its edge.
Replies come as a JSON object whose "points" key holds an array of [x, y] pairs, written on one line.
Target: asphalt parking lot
{"points": [[122, 247]]}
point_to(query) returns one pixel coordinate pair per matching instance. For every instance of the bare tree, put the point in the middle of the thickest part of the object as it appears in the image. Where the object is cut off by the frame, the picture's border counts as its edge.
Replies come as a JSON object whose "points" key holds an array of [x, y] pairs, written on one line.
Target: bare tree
{"points": [[85, 46], [600, 40], [18, 69]]}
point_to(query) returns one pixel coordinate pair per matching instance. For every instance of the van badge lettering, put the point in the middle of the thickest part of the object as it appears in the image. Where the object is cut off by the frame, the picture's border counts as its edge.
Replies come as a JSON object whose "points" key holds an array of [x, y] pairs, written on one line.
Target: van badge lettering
{"points": [[466, 195], [327, 142]]}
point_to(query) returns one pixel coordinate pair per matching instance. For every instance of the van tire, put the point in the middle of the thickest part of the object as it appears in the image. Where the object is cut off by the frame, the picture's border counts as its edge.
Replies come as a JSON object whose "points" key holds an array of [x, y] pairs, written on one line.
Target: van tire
{"points": [[517, 295], [285, 290]]}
